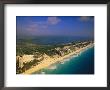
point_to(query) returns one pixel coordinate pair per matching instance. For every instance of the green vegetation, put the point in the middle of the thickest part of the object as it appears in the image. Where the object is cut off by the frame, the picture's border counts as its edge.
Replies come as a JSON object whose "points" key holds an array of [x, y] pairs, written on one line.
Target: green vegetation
{"points": [[31, 49], [39, 50], [26, 66]]}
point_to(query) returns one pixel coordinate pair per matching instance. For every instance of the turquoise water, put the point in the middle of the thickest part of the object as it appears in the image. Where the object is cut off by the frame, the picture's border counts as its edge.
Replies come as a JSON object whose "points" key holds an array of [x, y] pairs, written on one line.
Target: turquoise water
{"points": [[81, 64]]}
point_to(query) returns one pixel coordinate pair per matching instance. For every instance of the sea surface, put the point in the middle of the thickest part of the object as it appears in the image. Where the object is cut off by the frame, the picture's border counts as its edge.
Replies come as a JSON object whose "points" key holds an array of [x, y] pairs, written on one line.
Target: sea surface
{"points": [[81, 64]]}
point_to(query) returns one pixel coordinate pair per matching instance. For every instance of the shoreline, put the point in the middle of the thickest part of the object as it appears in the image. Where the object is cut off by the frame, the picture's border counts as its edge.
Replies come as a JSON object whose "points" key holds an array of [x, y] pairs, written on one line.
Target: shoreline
{"points": [[49, 61]]}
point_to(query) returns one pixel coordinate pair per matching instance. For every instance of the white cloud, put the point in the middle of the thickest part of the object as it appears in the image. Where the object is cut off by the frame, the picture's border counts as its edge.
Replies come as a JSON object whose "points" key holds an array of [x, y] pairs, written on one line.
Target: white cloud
{"points": [[85, 18], [53, 20]]}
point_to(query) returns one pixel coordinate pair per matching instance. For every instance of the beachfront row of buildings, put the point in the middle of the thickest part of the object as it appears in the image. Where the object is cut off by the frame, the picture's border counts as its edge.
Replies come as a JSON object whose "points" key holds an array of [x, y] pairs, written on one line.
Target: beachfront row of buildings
{"points": [[25, 62]]}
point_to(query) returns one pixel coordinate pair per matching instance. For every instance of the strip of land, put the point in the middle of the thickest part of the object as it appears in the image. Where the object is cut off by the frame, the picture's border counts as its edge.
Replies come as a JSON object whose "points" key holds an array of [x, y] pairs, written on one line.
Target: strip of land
{"points": [[49, 60]]}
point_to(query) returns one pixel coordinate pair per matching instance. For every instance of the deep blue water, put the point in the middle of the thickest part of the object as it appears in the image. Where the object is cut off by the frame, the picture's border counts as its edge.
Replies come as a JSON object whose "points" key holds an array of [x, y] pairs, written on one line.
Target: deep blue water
{"points": [[50, 40], [82, 64]]}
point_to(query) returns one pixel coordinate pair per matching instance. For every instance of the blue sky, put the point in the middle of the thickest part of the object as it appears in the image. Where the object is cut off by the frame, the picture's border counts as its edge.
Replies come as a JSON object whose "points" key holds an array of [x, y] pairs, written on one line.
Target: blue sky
{"points": [[82, 26]]}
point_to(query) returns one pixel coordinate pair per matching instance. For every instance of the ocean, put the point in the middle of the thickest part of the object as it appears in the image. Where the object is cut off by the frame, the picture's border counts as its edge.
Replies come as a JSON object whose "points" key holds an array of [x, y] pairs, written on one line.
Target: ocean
{"points": [[81, 64]]}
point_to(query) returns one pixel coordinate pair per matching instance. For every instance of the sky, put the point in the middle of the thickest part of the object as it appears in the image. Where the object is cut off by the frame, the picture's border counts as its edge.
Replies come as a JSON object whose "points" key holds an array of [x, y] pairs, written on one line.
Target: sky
{"points": [[82, 26]]}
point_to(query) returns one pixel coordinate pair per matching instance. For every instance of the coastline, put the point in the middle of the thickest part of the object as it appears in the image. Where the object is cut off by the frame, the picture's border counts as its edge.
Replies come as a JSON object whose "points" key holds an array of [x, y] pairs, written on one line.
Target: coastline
{"points": [[49, 61]]}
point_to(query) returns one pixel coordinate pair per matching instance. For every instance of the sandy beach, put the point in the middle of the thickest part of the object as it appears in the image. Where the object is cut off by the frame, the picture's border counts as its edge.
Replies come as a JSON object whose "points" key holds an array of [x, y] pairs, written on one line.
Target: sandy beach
{"points": [[49, 60]]}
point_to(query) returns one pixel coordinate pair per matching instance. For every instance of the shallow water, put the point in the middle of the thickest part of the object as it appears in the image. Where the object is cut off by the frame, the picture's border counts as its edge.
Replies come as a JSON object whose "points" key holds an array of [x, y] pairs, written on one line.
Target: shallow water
{"points": [[81, 64]]}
